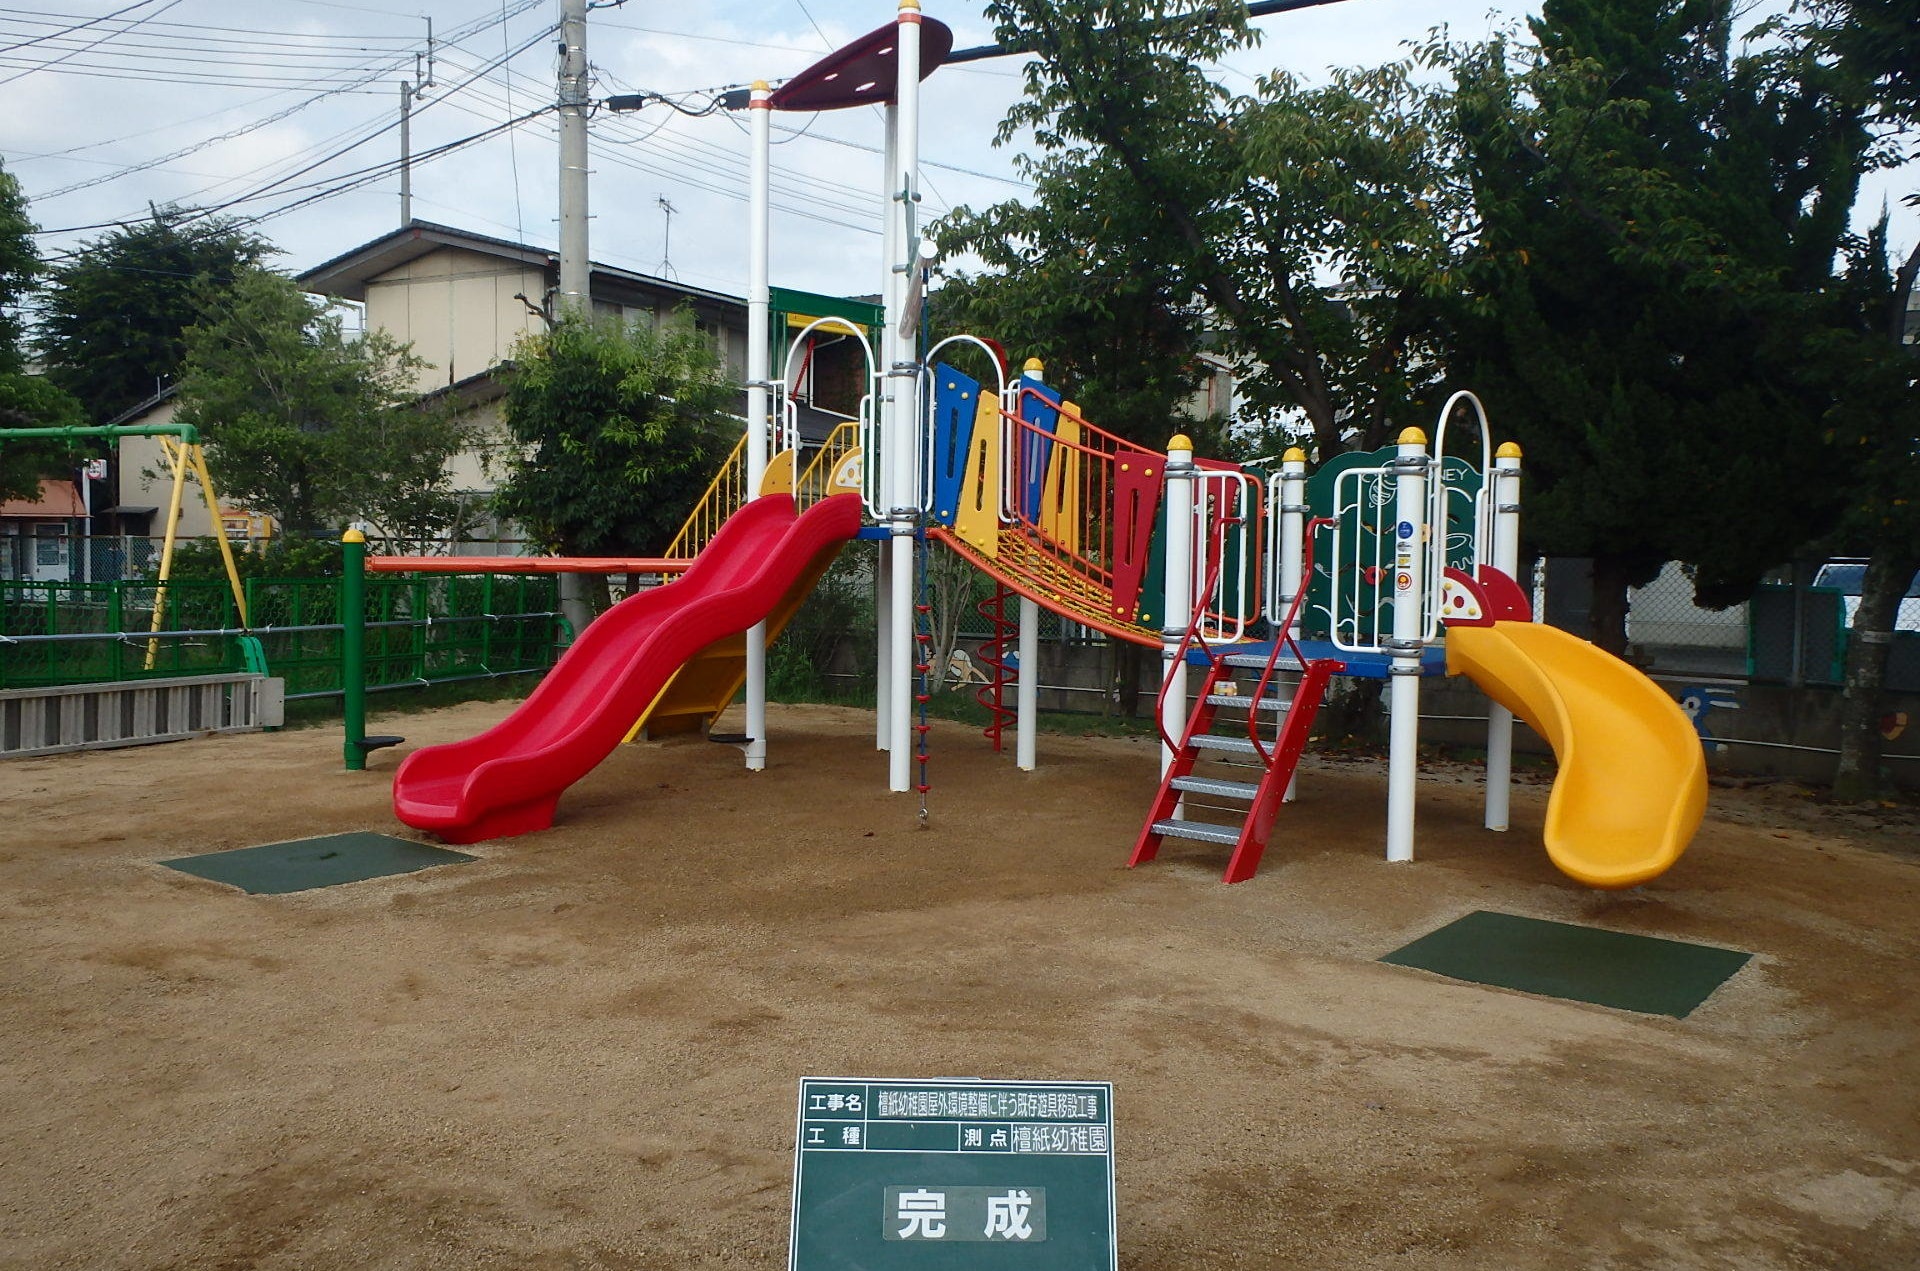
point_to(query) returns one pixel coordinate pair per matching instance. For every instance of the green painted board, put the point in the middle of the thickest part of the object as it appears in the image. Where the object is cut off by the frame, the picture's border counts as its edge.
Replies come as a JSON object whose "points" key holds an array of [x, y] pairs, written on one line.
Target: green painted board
{"points": [[953, 1175], [303, 864], [1582, 964]]}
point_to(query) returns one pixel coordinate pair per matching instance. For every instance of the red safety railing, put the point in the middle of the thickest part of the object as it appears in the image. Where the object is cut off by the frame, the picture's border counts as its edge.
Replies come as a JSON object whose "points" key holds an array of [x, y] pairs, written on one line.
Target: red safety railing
{"points": [[1283, 634], [1077, 525]]}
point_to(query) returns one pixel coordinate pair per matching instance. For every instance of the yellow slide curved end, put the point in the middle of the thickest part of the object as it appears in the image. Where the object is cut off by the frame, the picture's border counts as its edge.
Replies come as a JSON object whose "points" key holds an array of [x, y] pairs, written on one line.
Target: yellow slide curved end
{"points": [[1632, 786]]}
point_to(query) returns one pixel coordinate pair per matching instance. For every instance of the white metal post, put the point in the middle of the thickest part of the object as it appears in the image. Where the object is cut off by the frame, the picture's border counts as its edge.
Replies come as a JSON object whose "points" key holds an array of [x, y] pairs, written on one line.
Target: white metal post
{"points": [[1177, 604], [1026, 726], [1293, 554], [1293, 532], [1504, 494], [759, 384], [1409, 531], [1027, 686], [880, 461], [902, 419]]}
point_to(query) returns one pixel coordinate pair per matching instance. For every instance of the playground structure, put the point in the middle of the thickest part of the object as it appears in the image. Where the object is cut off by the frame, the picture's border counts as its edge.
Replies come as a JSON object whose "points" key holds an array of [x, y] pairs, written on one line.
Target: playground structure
{"points": [[1212, 563]]}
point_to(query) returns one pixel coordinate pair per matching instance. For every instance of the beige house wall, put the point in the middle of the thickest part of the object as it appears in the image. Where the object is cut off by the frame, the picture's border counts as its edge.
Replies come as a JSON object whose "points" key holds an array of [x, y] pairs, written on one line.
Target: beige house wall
{"points": [[458, 309], [146, 479], [479, 467]]}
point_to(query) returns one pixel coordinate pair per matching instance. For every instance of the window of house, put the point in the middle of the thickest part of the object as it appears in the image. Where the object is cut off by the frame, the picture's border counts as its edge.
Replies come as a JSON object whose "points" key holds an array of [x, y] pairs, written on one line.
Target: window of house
{"points": [[49, 543]]}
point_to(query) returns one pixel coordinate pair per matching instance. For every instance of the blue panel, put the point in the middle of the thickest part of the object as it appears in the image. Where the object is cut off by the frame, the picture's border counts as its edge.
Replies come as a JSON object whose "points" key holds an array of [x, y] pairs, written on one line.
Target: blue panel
{"points": [[1038, 408], [956, 398], [1362, 666]]}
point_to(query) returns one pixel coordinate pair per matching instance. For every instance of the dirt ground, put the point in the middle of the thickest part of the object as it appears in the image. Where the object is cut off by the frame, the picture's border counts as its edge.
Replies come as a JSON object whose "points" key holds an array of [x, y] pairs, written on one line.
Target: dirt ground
{"points": [[581, 1050]]}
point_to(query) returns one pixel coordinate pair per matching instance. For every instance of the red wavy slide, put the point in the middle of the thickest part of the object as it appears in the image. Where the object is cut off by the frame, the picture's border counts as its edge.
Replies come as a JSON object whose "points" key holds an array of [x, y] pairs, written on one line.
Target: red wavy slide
{"points": [[508, 779]]}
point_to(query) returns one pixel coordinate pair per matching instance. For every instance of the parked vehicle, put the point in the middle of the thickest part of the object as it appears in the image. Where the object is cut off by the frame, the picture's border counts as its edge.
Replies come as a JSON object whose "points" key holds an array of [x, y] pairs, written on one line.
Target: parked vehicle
{"points": [[1845, 577]]}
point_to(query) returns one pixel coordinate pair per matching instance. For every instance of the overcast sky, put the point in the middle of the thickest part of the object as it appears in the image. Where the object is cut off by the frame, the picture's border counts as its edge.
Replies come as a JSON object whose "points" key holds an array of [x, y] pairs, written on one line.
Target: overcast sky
{"points": [[268, 103]]}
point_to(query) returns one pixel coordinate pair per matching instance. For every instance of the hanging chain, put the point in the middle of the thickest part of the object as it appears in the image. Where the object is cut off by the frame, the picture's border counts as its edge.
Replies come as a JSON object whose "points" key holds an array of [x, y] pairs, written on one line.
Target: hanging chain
{"points": [[923, 659]]}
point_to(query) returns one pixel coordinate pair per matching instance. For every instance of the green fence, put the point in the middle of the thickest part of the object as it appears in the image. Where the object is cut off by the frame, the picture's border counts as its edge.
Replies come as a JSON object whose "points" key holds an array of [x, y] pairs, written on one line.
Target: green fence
{"points": [[421, 630]]}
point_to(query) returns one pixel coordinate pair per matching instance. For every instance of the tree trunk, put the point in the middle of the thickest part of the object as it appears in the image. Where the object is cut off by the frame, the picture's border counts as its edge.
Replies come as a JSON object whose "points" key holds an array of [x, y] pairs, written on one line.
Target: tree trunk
{"points": [[1127, 657], [1857, 777], [1607, 610], [575, 605]]}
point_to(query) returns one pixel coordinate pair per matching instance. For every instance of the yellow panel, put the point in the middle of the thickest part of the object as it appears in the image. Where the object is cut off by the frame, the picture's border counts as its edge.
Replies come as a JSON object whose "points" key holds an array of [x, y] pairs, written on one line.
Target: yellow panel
{"points": [[633, 734], [1060, 493], [847, 472], [778, 478], [797, 321], [711, 678], [978, 520]]}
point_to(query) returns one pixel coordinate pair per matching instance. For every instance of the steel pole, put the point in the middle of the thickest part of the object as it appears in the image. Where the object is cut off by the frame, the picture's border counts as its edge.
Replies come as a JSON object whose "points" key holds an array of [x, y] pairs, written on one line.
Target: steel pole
{"points": [[1177, 603], [1505, 493], [759, 396], [1410, 530]]}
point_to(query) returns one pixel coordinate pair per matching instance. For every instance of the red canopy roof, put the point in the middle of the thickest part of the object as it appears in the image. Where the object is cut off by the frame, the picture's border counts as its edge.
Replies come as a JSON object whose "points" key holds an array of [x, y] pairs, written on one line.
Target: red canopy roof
{"points": [[57, 499], [863, 73]]}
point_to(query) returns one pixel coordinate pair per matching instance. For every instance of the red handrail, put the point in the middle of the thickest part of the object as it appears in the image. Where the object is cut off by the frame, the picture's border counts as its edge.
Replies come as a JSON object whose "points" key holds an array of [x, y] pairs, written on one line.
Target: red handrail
{"points": [[1283, 639], [1193, 636]]}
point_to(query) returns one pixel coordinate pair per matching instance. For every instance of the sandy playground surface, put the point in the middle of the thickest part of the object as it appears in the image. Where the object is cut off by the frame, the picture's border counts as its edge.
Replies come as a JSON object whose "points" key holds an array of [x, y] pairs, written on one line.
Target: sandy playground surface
{"points": [[581, 1050]]}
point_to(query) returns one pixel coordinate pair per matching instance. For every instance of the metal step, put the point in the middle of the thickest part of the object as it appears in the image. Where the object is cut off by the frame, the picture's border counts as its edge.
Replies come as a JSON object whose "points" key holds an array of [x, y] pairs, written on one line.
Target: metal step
{"points": [[1198, 830], [1247, 703], [1228, 745], [1224, 789], [1258, 662]]}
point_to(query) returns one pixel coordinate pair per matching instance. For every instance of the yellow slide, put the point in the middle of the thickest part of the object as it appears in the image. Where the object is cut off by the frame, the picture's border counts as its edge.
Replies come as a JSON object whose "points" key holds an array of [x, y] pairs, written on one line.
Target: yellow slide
{"points": [[1633, 778]]}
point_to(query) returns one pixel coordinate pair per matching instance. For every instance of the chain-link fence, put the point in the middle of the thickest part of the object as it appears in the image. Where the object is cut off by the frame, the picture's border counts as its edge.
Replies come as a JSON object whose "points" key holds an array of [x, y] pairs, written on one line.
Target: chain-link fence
{"points": [[1792, 630]]}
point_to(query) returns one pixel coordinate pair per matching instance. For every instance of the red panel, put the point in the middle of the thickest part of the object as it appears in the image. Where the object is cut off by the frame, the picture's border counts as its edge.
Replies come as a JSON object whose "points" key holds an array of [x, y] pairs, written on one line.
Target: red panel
{"points": [[863, 73], [1137, 480], [1503, 597]]}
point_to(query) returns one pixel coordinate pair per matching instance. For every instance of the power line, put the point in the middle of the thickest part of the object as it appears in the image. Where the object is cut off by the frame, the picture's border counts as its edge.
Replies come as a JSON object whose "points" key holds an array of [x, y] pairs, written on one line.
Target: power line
{"points": [[78, 26], [340, 183], [153, 26], [103, 39], [389, 63], [377, 127]]}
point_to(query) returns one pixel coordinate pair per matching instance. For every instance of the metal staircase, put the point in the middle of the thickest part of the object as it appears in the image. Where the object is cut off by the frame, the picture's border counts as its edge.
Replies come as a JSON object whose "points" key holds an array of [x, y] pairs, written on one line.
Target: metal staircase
{"points": [[1247, 744]]}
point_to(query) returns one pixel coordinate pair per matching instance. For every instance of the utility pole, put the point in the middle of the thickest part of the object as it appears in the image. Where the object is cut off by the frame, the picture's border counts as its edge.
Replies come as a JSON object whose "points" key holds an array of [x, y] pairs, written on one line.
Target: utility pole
{"points": [[411, 91], [573, 157]]}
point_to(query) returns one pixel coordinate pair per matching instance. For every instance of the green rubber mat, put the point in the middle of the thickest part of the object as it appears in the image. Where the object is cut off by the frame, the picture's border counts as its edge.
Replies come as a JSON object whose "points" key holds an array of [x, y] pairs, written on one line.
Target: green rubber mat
{"points": [[1581, 964], [304, 864]]}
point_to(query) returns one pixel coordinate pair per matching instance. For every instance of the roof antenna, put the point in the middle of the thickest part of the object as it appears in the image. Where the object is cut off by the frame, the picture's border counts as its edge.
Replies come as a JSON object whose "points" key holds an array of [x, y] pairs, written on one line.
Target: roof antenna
{"points": [[666, 240]]}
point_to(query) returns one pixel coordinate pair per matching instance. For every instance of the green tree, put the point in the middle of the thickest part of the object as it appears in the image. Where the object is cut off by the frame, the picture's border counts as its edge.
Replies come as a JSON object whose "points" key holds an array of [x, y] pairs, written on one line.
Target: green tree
{"points": [[310, 424], [1876, 425], [1657, 218], [1875, 49], [26, 401], [1060, 286], [619, 429], [1311, 225], [113, 329]]}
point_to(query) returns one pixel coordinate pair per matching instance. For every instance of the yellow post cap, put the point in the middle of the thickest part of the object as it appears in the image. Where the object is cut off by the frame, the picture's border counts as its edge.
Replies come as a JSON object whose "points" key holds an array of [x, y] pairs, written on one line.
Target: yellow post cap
{"points": [[353, 536], [1294, 455], [1412, 437], [1508, 450], [1033, 366], [909, 5], [1180, 441], [761, 86]]}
